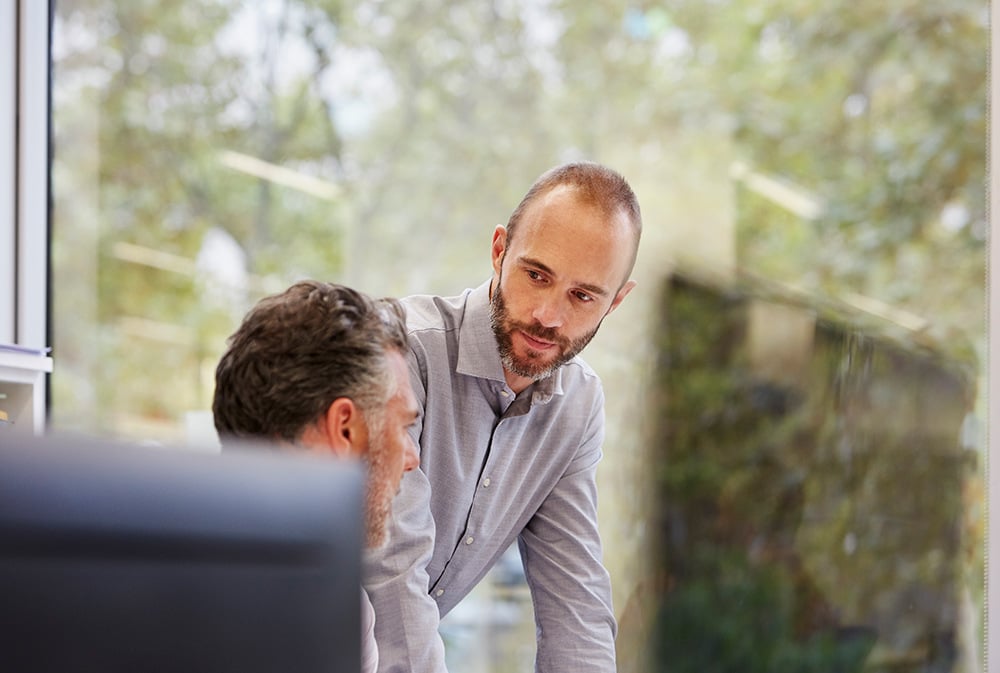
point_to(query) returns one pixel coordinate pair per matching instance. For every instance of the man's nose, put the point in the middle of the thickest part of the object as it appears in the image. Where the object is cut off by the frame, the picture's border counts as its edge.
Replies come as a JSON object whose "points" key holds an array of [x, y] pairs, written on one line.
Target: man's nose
{"points": [[550, 311], [411, 459]]}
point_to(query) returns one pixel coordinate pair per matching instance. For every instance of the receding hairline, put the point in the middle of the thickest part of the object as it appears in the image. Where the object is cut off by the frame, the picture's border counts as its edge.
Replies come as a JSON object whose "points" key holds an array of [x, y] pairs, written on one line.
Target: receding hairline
{"points": [[595, 184], [613, 213], [593, 180]]}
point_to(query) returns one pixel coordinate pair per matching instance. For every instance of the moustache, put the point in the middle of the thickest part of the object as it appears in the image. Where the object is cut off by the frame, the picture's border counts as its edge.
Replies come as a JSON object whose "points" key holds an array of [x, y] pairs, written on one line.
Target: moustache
{"points": [[538, 331]]}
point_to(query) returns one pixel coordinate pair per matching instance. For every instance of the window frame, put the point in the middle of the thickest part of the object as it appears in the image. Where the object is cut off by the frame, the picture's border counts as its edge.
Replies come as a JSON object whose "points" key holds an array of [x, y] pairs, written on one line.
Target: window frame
{"points": [[24, 173], [8, 159]]}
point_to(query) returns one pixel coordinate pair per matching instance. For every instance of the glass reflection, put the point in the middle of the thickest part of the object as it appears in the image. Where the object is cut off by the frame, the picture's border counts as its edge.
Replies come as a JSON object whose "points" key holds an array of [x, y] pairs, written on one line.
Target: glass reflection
{"points": [[792, 478], [812, 484]]}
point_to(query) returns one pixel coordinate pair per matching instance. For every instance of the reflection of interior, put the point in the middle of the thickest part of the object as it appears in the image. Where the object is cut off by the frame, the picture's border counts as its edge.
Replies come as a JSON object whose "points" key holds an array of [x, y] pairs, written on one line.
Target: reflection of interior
{"points": [[810, 484], [279, 175]]}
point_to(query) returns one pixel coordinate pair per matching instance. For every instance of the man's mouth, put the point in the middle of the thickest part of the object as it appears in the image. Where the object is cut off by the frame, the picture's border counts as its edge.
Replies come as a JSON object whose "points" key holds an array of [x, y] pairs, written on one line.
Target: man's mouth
{"points": [[535, 343]]}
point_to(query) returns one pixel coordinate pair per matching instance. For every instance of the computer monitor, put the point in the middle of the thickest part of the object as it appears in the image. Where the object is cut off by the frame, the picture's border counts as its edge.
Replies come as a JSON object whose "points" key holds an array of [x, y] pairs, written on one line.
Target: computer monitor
{"points": [[128, 558]]}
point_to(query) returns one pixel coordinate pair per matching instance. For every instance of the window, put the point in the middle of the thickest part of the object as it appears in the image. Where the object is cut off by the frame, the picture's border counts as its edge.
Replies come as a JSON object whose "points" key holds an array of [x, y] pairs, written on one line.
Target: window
{"points": [[811, 276]]}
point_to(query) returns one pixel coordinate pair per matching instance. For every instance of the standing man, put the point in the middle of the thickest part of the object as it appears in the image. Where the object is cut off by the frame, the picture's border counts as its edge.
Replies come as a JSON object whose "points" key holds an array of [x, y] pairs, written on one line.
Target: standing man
{"points": [[511, 429], [320, 367]]}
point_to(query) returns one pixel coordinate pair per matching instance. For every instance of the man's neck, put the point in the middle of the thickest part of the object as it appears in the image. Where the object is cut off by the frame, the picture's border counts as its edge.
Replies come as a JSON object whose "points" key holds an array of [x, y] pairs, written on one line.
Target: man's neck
{"points": [[515, 382]]}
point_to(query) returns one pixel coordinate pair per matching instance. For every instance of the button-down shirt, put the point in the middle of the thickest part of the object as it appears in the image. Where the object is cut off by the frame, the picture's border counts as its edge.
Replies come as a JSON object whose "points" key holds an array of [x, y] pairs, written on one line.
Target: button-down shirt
{"points": [[369, 648], [494, 467]]}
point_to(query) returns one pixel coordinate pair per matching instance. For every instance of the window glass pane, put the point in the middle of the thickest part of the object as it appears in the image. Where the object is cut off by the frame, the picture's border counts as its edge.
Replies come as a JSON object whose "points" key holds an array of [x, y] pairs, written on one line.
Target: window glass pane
{"points": [[794, 463]]}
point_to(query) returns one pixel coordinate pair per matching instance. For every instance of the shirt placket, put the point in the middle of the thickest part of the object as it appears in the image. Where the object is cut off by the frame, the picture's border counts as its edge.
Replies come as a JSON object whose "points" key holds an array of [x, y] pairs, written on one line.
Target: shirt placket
{"points": [[500, 449]]}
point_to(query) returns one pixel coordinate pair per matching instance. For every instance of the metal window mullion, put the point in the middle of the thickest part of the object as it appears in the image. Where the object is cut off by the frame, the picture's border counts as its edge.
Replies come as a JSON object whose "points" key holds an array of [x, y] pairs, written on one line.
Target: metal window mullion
{"points": [[8, 161], [32, 228]]}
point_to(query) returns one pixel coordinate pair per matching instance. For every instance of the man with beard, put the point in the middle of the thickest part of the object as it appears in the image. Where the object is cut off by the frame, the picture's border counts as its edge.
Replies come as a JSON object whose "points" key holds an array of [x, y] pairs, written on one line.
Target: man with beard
{"points": [[511, 429], [320, 368]]}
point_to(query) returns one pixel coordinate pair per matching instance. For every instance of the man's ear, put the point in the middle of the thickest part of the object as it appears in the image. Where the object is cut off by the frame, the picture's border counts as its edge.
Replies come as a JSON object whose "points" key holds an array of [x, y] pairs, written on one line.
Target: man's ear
{"points": [[341, 430], [498, 247], [622, 293]]}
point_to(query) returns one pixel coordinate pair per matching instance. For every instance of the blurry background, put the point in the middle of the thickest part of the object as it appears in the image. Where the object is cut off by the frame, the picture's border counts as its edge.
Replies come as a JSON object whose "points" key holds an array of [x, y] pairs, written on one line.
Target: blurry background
{"points": [[793, 473]]}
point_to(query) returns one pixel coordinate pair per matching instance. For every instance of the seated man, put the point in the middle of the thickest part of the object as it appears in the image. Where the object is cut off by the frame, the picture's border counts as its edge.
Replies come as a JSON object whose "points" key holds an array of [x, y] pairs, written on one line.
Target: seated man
{"points": [[320, 367]]}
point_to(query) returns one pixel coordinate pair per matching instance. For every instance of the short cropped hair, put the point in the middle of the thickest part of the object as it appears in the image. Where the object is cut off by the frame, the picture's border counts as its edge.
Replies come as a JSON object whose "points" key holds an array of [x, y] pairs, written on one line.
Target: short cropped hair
{"points": [[298, 351], [595, 184]]}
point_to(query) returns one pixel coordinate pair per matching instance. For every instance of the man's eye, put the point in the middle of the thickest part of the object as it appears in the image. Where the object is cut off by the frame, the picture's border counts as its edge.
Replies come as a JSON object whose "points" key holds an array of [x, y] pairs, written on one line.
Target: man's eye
{"points": [[534, 275], [583, 296]]}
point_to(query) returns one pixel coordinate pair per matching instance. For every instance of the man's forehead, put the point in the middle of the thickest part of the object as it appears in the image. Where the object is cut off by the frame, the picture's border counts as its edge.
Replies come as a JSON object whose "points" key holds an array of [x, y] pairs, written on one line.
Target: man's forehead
{"points": [[561, 193], [563, 231], [558, 197]]}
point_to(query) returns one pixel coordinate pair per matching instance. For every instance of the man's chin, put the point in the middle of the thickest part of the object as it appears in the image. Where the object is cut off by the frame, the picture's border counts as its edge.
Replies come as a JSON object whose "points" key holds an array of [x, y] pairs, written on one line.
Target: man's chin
{"points": [[530, 369]]}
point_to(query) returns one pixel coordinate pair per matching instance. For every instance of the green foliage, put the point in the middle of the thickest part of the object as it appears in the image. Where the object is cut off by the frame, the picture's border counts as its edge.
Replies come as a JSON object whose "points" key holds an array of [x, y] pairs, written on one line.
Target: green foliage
{"points": [[878, 110], [162, 97], [809, 511], [742, 619], [425, 122]]}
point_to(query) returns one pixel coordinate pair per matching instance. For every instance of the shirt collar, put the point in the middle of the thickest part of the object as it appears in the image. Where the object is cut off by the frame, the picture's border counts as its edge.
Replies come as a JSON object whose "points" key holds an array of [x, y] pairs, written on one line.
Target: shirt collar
{"points": [[478, 353]]}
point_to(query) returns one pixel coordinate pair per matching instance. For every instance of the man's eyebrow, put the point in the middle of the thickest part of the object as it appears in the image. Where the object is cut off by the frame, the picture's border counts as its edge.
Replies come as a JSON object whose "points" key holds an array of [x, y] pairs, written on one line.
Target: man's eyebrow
{"points": [[589, 287]]}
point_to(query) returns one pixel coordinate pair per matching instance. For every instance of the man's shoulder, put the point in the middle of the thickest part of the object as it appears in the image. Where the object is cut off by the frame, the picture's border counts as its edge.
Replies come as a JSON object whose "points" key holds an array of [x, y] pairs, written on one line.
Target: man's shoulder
{"points": [[578, 375], [429, 312], [579, 364]]}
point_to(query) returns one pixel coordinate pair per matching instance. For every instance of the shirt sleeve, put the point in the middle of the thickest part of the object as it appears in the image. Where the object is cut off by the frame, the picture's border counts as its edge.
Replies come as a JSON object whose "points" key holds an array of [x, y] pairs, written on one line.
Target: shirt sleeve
{"points": [[369, 650], [395, 576], [396, 580], [570, 588]]}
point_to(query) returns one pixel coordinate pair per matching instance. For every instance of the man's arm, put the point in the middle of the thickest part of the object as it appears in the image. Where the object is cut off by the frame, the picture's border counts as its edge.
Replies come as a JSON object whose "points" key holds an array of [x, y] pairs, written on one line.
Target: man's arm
{"points": [[406, 617], [570, 588], [395, 576]]}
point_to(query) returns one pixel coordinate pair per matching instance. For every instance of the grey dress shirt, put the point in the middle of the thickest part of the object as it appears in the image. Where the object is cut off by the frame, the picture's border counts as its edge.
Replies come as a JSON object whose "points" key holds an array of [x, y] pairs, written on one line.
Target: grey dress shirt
{"points": [[493, 468], [369, 648]]}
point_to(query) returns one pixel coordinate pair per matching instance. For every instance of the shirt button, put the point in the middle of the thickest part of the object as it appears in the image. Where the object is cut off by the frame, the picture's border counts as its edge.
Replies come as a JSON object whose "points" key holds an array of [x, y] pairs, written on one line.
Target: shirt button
{"points": [[505, 393], [486, 482], [439, 592], [469, 540]]}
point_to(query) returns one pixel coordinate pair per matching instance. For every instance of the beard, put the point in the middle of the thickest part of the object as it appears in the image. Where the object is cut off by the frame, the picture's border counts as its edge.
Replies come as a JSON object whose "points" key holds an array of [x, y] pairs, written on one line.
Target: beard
{"points": [[533, 365], [380, 491]]}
